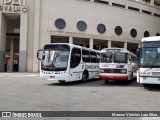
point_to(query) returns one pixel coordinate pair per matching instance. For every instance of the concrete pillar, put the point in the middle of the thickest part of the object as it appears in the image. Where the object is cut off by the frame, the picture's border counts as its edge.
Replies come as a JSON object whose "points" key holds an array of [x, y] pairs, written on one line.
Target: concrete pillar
{"points": [[125, 45], [71, 40], [109, 44], [140, 1], [91, 43], [152, 2], [110, 3], [23, 43], [139, 45], [2, 41], [100, 47], [11, 55], [36, 35]]}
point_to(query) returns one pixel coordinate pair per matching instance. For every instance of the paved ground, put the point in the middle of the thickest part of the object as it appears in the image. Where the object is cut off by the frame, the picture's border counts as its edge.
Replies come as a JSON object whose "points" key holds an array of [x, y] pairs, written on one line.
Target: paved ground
{"points": [[26, 92]]}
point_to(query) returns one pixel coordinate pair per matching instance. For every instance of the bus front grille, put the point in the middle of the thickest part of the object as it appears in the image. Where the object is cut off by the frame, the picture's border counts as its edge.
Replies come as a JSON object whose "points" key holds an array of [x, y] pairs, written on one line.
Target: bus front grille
{"points": [[119, 71]]}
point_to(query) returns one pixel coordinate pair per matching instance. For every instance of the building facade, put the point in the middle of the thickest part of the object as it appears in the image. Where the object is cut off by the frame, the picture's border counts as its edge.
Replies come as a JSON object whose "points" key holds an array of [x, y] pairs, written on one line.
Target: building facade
{"points": [[26, 25]]}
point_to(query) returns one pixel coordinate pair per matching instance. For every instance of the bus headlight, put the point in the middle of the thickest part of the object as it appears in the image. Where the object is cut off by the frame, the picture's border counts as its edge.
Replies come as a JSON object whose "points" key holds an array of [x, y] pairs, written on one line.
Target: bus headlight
{"points": [[123, 71], [101, 71]]}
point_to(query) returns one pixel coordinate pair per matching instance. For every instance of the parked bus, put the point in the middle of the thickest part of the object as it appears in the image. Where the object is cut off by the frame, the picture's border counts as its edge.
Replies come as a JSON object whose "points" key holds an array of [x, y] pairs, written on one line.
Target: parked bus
{"points": [[149, 61], [117, 64], [68, 62]]}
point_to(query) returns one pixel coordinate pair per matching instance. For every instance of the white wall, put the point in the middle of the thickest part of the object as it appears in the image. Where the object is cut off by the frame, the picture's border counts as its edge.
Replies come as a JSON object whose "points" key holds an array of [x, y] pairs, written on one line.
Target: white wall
{"points": [[93, 14]]}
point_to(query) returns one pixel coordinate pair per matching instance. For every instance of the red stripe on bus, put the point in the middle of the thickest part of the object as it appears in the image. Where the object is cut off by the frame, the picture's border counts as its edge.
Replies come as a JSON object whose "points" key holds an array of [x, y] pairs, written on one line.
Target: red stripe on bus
{"points": [[114, 77]]}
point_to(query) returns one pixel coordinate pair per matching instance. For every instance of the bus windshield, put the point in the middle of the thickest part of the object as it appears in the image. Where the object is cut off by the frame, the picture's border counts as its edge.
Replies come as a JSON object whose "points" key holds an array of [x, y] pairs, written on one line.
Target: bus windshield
{"points": [[120, 57], [106, 57], [114, 57], [150, 57], [55, 59]]}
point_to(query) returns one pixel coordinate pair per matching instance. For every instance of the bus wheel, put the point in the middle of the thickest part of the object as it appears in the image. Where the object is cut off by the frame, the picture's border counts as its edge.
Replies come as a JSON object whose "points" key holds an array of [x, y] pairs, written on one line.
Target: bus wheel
{"points": [[107, 81], [62, 82], [84, 77], [145, 85]]}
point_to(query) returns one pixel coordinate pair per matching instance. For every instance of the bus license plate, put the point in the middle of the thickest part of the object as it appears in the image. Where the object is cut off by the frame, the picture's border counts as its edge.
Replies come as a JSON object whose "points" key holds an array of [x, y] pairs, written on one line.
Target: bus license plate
{"points": [[111, 77], [52, 76]]}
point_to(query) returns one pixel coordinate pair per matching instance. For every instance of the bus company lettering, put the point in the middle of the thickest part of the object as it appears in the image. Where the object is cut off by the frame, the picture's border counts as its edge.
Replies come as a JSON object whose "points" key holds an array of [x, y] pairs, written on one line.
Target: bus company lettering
{"points": [[92, 67], [13, 2]]}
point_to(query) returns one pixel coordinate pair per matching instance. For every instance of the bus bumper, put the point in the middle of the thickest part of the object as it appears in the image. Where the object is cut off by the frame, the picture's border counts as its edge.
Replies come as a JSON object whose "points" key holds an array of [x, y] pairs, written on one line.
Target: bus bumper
{"points": [[149, 80], [61, 76], [114, 77]]}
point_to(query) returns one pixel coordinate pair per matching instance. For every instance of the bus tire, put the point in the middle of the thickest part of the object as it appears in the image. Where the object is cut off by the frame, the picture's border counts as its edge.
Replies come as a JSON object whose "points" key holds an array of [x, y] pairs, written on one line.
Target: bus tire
{"points": [[106, 81], [84, 76], [62, 82], [145, 85]]}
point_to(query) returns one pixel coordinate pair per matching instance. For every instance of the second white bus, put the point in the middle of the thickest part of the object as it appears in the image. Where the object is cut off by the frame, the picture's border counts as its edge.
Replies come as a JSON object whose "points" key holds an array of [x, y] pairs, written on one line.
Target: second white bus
{"points": [[149, 61], [117, 64], [68, 62]]}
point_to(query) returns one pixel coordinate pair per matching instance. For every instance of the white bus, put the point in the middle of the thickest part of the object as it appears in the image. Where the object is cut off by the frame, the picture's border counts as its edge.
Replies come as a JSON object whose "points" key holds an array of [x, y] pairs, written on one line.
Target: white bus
{"points": [[117, 64], [149, 61], [68, 62]]}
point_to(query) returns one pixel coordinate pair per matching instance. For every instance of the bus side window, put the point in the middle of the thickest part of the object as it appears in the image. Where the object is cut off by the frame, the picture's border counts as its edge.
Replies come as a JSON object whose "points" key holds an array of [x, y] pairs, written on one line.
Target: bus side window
{"points": [[85, 56], [98, 57], [75, 57], [130, 57], [93, 57]]}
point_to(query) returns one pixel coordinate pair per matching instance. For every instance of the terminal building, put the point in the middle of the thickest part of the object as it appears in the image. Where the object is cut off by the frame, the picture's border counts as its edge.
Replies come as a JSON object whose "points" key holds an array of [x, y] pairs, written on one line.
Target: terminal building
{"points": [[27, 25]]}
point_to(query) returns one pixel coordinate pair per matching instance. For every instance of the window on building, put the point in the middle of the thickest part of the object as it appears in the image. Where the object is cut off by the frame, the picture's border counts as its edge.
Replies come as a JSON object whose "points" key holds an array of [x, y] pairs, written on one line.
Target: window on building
{"points": [[118, 5], [82, 26], [118, 30], [146, 34], [133, 8], [157, 15], [101, 28], [60, 23], [101, 1], [133, 32], [145, 11]]}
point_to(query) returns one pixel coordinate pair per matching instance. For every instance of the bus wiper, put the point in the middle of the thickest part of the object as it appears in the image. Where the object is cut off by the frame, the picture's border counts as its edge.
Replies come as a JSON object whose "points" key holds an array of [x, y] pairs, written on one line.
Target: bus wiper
{"points": [[155, 59], [152, 63]]}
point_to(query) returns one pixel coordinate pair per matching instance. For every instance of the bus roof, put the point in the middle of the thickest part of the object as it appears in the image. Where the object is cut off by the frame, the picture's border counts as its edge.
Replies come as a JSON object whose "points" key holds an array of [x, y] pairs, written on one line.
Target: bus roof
{"points": [[73, 45], [121, 50], [154, 38]]}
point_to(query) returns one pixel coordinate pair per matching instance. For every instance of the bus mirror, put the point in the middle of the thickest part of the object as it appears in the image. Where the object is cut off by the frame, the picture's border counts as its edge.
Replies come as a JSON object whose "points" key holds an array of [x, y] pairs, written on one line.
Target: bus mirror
{"points": [[138, 53], [39, 54], [138, 56]]}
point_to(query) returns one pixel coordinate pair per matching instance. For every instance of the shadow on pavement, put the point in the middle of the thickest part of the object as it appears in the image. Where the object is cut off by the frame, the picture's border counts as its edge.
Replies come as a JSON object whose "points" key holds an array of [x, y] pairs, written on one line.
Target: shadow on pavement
{"points": [[153, 87], [115, 83], [75, 83], [99, 83]]}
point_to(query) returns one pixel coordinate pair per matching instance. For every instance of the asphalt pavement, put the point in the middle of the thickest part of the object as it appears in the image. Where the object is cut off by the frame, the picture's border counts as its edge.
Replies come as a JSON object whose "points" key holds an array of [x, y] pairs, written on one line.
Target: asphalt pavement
{"points": [[26, 92]]}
